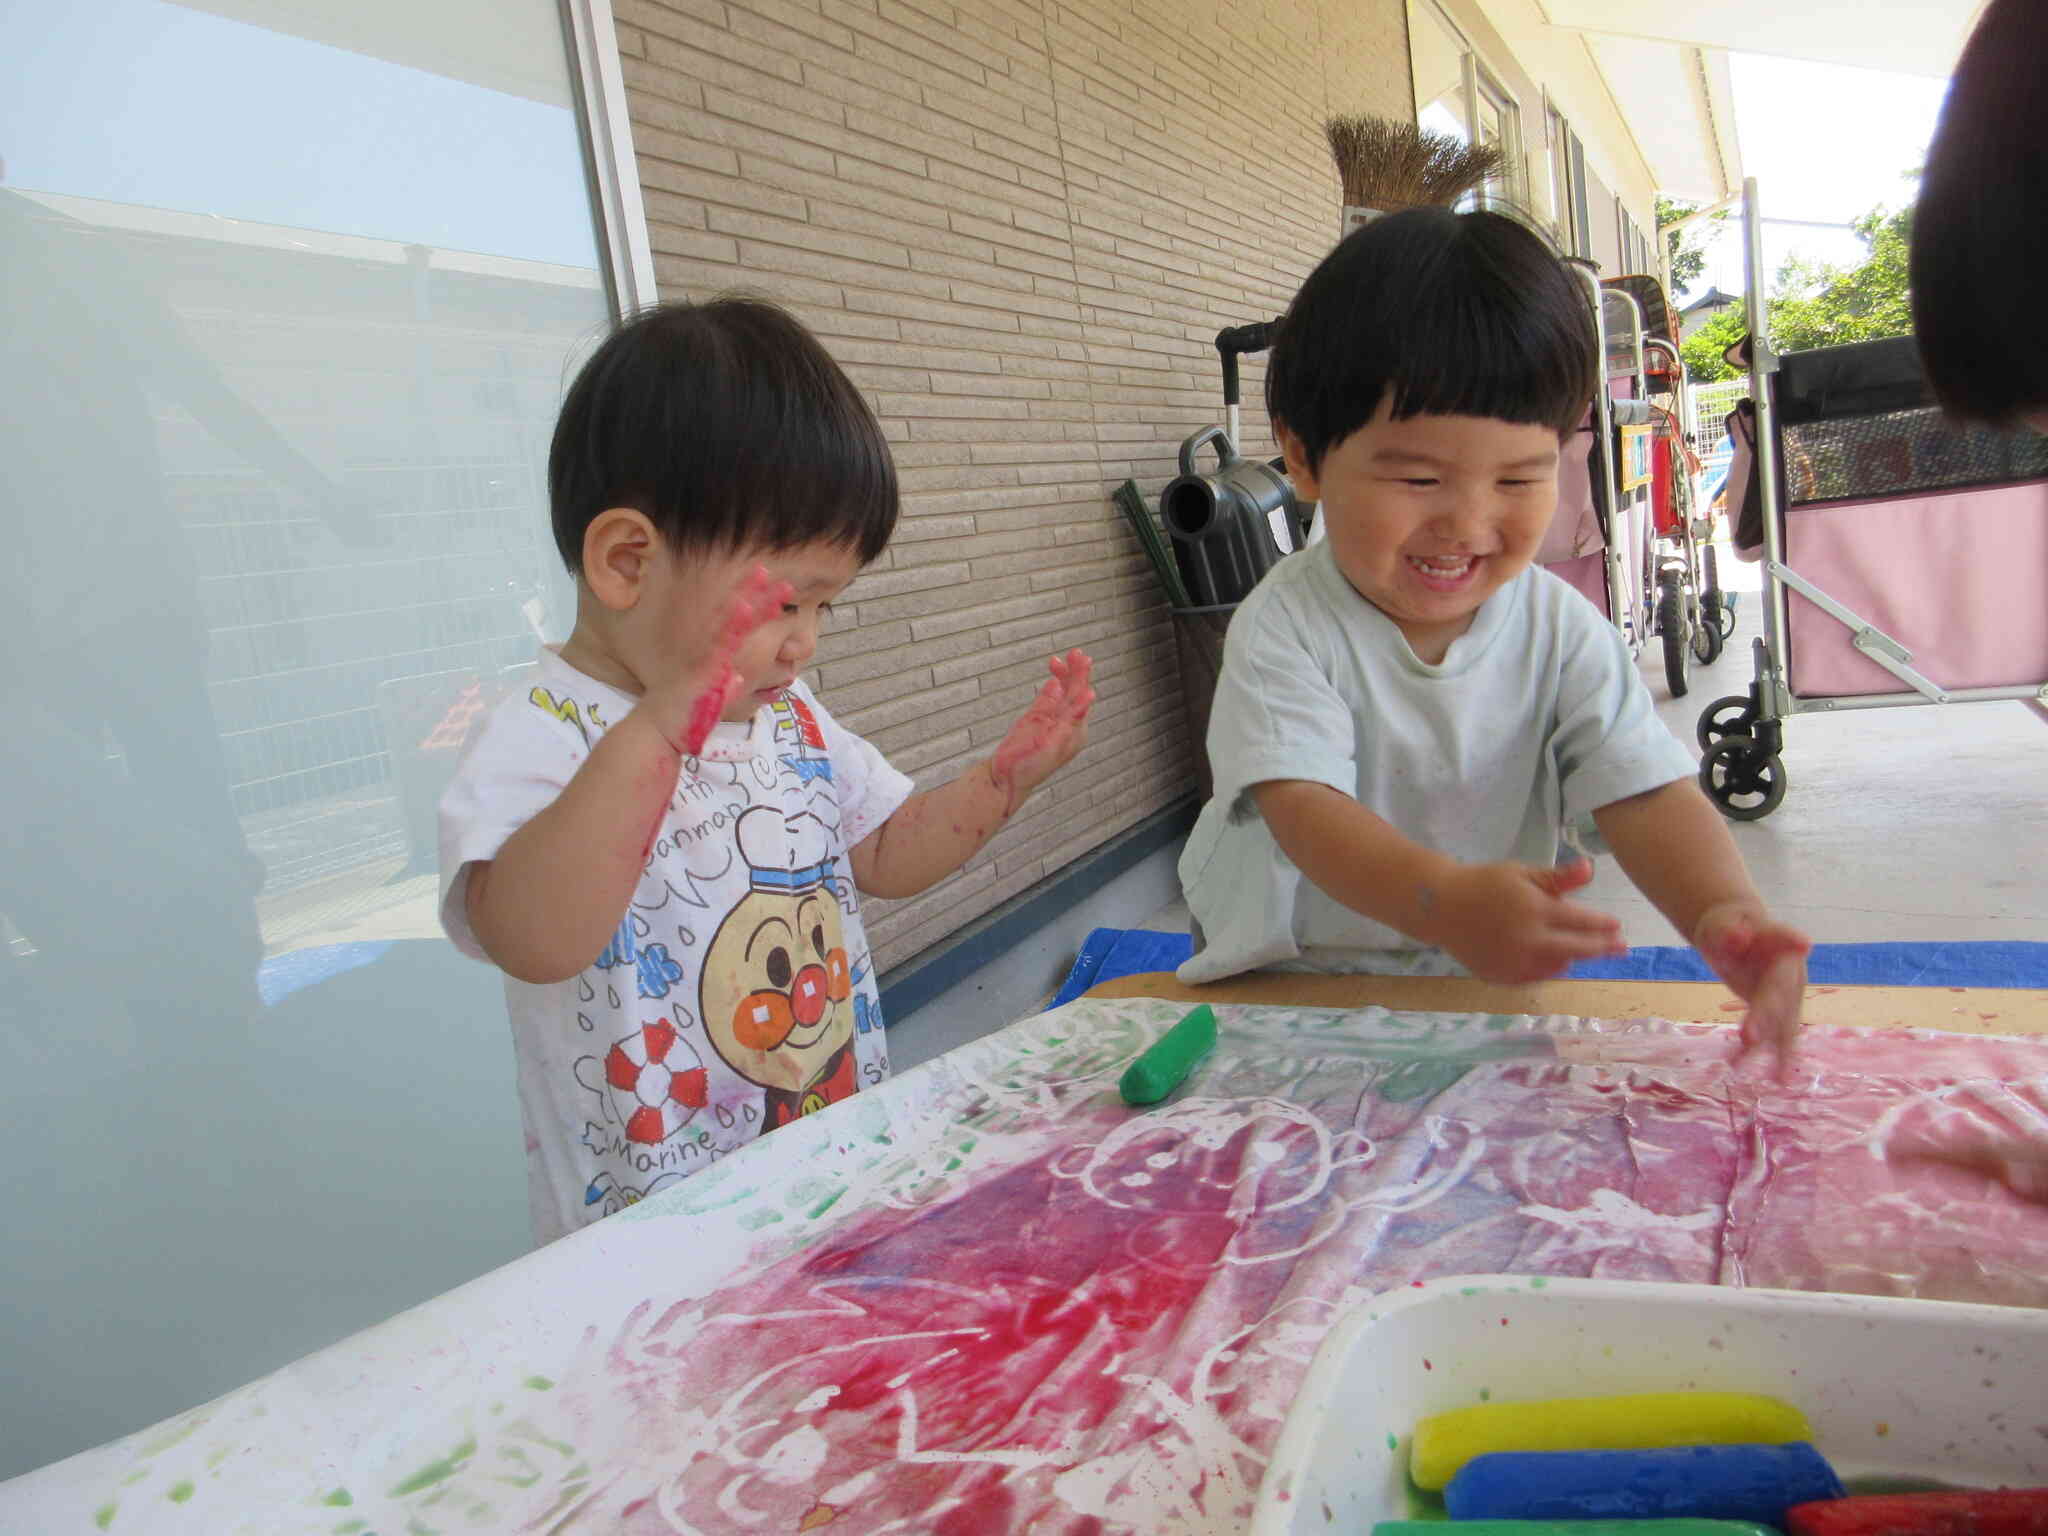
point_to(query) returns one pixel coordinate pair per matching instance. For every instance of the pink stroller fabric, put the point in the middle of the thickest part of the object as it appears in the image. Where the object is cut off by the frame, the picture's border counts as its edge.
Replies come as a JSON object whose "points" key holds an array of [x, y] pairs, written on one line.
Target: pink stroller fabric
{"points": [[1960, 579], [1573, 548]]}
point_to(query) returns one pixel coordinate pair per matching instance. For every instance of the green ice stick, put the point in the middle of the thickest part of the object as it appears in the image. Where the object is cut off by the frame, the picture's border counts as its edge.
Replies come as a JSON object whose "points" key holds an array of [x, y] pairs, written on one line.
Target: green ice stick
{"points": [[1169, 1059], [1570, 1528]]}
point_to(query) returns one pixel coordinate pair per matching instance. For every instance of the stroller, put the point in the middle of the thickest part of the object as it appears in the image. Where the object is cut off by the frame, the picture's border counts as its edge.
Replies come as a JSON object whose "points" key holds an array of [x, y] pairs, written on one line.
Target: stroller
{"points": [[1690, 613], [1626, 533], [1903, 556]]}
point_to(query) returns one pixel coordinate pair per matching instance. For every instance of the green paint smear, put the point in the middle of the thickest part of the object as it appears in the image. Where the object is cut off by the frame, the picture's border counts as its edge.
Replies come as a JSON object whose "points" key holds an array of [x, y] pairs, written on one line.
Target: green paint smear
{"points": [[827, 1203], [180, 1492], [104, 1515], [1537, 1283], [341, 1498], [1419, 1080], [540, 1383], [1393, 1441], [754, 1221], [1470, 1290], [172, 1435], [1486, 1394], [1423, 1505], [437, 1471], [350, 1527]]}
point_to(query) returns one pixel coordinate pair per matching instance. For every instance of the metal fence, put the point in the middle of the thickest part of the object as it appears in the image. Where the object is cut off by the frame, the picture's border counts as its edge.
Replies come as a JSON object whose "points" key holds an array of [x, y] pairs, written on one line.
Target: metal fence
{"points": [[1711, 404]]}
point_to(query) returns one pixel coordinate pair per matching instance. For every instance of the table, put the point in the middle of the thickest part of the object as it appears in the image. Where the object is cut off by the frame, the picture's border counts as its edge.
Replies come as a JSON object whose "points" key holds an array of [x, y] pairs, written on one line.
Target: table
{"points": [[986, 1294], [1959, 1010]]}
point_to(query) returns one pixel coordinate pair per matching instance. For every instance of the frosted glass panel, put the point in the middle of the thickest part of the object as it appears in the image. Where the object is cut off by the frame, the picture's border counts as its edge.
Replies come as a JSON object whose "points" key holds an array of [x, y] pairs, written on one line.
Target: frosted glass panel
{"points": [[290, 295]]}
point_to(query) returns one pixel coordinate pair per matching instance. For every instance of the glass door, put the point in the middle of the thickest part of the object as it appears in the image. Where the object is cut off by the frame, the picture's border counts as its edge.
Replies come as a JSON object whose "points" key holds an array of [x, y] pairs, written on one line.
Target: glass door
{"points": [[292, 288]]}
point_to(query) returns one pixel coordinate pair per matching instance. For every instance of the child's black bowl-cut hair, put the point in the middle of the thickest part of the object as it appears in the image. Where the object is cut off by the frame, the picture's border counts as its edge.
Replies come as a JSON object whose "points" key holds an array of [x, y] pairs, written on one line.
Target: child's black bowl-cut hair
{"points": [[728, 426], [1456, 314]]}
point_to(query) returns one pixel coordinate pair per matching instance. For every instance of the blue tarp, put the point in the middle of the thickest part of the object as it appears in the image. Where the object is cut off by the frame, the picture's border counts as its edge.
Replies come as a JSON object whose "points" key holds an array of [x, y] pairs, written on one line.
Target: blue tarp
{"points": [[1111, 952]]}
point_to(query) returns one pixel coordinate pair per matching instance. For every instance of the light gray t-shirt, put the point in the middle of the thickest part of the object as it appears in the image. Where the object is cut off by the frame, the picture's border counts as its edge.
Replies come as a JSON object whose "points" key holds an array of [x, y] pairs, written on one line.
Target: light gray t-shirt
{"points": [[1535, 717]]}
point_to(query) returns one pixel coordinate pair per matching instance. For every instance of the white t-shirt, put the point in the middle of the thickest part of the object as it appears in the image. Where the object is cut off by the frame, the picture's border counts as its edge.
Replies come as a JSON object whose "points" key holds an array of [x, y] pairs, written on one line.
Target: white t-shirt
{"points": [[1535, 717], [738, 992]]}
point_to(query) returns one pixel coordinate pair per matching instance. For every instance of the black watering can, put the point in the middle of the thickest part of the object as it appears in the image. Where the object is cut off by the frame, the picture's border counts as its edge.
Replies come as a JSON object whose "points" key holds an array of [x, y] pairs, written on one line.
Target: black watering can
{"points": [[1231, 525]]}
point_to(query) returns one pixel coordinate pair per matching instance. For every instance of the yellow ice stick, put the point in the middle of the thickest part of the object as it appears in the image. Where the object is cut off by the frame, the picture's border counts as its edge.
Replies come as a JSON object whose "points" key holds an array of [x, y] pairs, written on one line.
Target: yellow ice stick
{"points": [[1638, 1422]]}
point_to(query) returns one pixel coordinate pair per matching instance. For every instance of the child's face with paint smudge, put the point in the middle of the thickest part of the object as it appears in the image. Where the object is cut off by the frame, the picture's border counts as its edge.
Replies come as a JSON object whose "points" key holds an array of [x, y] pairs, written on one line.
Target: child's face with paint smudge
{"points": [[674, 625], [1430, 516]]}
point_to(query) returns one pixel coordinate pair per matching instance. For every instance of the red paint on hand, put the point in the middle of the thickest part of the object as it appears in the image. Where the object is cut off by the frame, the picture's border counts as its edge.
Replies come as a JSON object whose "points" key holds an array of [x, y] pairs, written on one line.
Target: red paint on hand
{"points": [[1048, 733], [708, 710], [1764, 963], [757, 600]]}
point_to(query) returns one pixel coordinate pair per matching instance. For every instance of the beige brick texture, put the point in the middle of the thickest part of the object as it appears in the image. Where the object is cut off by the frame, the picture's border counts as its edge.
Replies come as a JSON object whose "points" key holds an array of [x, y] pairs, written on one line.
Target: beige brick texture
{"points": [[1019, 225]]}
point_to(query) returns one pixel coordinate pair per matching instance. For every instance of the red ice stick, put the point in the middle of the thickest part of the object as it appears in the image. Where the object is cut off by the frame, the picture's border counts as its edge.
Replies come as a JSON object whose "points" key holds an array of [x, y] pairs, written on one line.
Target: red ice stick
{"points": [[2000, 1512]]}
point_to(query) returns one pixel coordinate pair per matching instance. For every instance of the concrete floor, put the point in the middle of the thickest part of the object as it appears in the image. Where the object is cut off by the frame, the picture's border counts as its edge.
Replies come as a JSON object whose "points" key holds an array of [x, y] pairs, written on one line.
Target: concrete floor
{"points": [[1910, 823]]}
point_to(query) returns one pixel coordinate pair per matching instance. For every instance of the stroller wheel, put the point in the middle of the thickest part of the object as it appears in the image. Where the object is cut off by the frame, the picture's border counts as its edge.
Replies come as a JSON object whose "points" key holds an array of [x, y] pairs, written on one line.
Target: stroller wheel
{"points": [[1671, 625], [1745, 781], [1724, 718], [1707, 639]]}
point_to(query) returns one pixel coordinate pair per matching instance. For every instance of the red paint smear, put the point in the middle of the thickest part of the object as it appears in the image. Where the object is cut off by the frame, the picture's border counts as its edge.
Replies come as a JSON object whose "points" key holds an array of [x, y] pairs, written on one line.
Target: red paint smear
{"points": [[705, 713], [1018, 1317]]}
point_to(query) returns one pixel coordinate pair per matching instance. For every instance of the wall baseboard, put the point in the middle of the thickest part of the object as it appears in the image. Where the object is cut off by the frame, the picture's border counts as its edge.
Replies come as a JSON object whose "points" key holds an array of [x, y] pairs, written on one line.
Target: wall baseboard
{"points": [[1001, 964]]}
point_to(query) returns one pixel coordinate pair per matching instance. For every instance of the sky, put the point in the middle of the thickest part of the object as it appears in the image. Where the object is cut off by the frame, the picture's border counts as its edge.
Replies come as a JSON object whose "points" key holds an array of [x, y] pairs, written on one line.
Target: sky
{"points": [[1826, 143]]}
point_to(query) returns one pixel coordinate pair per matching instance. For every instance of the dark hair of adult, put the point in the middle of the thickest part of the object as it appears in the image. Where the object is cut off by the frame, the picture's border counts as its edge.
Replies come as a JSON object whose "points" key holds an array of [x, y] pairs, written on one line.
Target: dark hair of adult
{"points": [[1981, 221], [727, 426], [1458, 314]]}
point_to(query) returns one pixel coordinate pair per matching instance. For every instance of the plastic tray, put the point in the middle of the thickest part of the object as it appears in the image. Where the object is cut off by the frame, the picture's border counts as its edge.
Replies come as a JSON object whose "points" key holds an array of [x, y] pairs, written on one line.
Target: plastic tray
{"points": [[1894, 1388]]}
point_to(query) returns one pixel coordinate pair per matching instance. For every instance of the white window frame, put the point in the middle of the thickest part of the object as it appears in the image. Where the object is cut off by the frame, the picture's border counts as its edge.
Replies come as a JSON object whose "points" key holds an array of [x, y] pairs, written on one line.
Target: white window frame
{"points": [[600, 86], [1566, 159], [1481, 83], [1477, 81]]}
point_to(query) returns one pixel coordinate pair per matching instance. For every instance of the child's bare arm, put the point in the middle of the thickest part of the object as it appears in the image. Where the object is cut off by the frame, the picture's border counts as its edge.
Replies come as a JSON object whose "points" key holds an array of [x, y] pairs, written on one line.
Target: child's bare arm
{"points": [[1677, 849], [1503, 922], [544, 907], [934, 833]]}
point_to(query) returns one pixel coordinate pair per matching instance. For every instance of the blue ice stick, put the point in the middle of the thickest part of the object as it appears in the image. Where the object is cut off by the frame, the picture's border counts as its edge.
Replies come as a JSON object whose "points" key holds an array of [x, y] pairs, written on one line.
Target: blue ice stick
{"points": [[1168, 1060], [1703, 1482]]}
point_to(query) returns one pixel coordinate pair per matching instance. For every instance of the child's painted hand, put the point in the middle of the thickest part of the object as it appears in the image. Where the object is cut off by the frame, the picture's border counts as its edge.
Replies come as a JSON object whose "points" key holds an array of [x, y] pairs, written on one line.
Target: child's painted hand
{"points": [[1764, 963], [687, 707], [1048, 734], [1511, 922]]}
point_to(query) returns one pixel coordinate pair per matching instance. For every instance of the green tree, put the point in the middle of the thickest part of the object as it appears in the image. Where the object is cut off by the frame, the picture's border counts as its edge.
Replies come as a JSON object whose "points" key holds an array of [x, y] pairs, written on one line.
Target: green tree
{"points": [[1686, 249], [1818, 304], [1703, 345]]}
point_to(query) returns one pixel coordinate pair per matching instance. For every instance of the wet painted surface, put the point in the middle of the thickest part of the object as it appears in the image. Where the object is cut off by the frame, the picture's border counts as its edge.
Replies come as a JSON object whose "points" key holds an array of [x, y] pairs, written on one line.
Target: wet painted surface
{"points": [[991, 1295]]}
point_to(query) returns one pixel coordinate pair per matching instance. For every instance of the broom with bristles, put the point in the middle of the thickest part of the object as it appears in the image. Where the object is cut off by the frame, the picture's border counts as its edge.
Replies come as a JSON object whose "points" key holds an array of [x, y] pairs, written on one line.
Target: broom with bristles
{"points": [[1387, 164]]}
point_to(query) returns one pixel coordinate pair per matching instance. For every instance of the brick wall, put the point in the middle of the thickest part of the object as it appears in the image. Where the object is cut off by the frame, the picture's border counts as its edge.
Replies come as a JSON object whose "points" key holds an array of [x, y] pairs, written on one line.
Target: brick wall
{"points": [[1019, 225]]}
